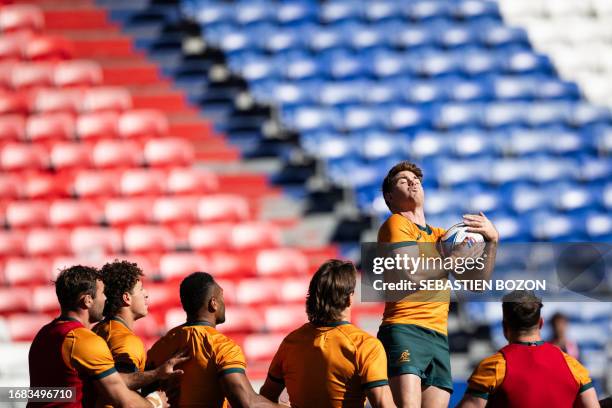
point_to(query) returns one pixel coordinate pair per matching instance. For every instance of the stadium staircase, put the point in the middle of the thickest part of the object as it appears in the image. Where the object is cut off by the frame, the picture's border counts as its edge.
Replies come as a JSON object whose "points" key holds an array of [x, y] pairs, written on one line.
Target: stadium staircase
{"points": [[103, 157]]}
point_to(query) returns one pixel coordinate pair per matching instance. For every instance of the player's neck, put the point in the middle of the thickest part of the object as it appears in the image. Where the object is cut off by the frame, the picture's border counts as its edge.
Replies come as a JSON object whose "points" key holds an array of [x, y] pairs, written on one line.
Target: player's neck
{"points": [[126, 317], [82, 317], [416, 215], [210, 320], [525, 338]]}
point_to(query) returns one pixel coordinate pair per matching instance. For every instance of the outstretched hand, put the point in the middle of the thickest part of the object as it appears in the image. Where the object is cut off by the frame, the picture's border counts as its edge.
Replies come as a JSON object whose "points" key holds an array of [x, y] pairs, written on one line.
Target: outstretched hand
{"points": [[481, 224], [167, 370]]}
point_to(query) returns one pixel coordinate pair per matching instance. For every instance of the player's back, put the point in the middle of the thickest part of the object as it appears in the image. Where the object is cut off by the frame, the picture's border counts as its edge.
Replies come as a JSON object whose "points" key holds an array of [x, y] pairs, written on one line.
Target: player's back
{"points": [[329, 366], [212, 355]]}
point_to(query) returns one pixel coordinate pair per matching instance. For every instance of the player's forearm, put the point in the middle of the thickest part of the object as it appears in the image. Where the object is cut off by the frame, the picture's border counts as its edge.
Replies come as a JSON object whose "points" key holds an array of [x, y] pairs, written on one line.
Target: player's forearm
{"points": [[139, 379], [380, 397]]}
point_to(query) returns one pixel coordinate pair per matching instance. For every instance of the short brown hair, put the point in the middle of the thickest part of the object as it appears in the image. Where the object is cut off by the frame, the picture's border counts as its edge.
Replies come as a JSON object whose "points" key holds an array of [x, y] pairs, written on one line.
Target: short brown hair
{"points": [[521, 310], [387, 184], [330, 290], [74, 282], [119, 277]]}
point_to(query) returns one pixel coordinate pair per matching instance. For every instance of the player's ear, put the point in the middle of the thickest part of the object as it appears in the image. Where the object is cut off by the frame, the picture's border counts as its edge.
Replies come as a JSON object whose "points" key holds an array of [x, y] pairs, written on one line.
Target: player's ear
{"points": [[540, 323], [127, 298], [213, 305], [86, 301]]}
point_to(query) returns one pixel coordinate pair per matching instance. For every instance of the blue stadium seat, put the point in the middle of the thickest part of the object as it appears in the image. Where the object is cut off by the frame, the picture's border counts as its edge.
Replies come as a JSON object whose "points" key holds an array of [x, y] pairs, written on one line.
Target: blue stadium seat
{"points": [[424, 92], [341, 93], [455, 36], [298, 67], [378, 145], [593, 169], [476, 63], [390, 64], [457, 115], [430, 144], [475, 9], [497, 36], [252, 12], [407, 118], [376, 11], [362, 117], [427, 10], [500, 115], [413, 36], [341, 65], [584, 114], [524, 62], [472, 142], [335, 11], [293, 12], [467, 91]]}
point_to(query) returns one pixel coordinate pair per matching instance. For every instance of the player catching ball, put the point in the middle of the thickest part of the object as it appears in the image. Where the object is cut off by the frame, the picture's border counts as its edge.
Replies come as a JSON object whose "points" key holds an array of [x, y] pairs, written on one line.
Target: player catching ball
{"points": [[414, 330]]}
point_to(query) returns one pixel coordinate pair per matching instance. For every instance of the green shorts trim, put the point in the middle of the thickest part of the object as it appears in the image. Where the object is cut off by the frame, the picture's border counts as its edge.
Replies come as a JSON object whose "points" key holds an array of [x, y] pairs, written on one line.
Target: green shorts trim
{"points": [[413, 349]]}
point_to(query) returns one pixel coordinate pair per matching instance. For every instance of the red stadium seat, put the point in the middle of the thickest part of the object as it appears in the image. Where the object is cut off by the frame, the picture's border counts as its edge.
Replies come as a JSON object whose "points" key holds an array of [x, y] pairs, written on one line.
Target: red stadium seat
{"points": [[11, 46], [20, 214], [40, 242], [148, 238], [9, 186], [210, 236], [27, 271], [32, 75], [175, 209], [97, 125], [44, 299], [262, 346], [77, 73], [143, 123], [23, 327], [145, 263], [285, 317], [47, 126], [69, 213], [223, 207], [113, 99], [142, 182], [162, 295], [12, 128], [258, 291], [255, 235], [45, 48], [148, 327], [282, 261], [168, 152], [85, 240], [128, 211], [191, 180], [14, 300], [17, 156], [174, 317], [43, 185], [96, 183], [294, 290], [180, 264], [21, 17], [70, 155], [11, 243], [229, 290], [116, 153], [241, 320], [13, 103], [57, 100], [230, 264]]}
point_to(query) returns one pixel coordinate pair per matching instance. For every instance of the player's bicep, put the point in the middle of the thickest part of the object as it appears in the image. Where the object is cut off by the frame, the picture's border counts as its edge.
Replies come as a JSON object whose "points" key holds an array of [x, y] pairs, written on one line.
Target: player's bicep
{"points": [[372, 363], [117, 393], [237, 389], [471, 401], [587, 399]]}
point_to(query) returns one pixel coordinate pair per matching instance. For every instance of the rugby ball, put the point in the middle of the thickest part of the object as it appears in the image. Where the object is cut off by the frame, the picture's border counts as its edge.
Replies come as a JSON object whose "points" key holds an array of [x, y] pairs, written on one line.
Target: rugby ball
{"points": [[456, 235]]}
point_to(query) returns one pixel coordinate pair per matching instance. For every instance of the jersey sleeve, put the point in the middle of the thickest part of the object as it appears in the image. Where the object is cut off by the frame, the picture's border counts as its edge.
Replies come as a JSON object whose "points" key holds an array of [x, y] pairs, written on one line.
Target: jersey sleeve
{"points": [[275, 372], [90, 355], [130, 355], [580, 373], [487, 376], [396, 230], [371, 363], [229, 357]]}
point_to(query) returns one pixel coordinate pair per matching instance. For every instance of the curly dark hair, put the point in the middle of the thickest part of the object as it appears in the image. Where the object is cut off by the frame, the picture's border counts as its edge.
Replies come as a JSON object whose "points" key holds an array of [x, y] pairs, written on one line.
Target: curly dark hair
{"points": [[195, 292], [119, 277], [521, 309], [387, 184], [74, 282], [329, 291]]}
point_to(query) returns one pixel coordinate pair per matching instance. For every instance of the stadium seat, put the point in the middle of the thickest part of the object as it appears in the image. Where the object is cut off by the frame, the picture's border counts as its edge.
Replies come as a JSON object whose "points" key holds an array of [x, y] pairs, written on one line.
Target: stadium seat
{"points": [[40, 242], [175, 209], [147, 238], [15, 157], [180, 264], [26, 271], [143, 124], [254, 235], [284, 318], [162, 296], [242, 320], [28, 214], [142, 182], [23, 327], [12, 128], [128, 211], [97, 125], [44, 300], [223, 208], [70, 213], [16, 103], [31, 75], [168, 152], [259, 347], [257, 291], [70, 155], [294, 290], [106, 99], [57, 101], [14, 300], [191, 181], [45, 186], [52, 126], [11, 243], [90, 183], [210, 236], [44, 48], [9, 187], [116, 153], [281, 261], [77, 73], [21, 17]]}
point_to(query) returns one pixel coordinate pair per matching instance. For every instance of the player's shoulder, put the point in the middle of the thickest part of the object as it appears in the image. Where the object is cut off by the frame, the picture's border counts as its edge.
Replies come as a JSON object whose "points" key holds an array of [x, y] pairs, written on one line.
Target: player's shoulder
{"points": [[87, 338], [358, 337], [492, 362], [397, 221]]}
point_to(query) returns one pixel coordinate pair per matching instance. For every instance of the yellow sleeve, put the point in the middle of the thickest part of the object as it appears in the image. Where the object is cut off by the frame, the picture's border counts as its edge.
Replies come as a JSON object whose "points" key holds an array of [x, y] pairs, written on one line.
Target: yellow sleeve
{"points": [[129, 354], [580, 373], [438, 232], [275, 372], [488, 376], [229, 357], [371, 363], [90, 355], [396, 229]]}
